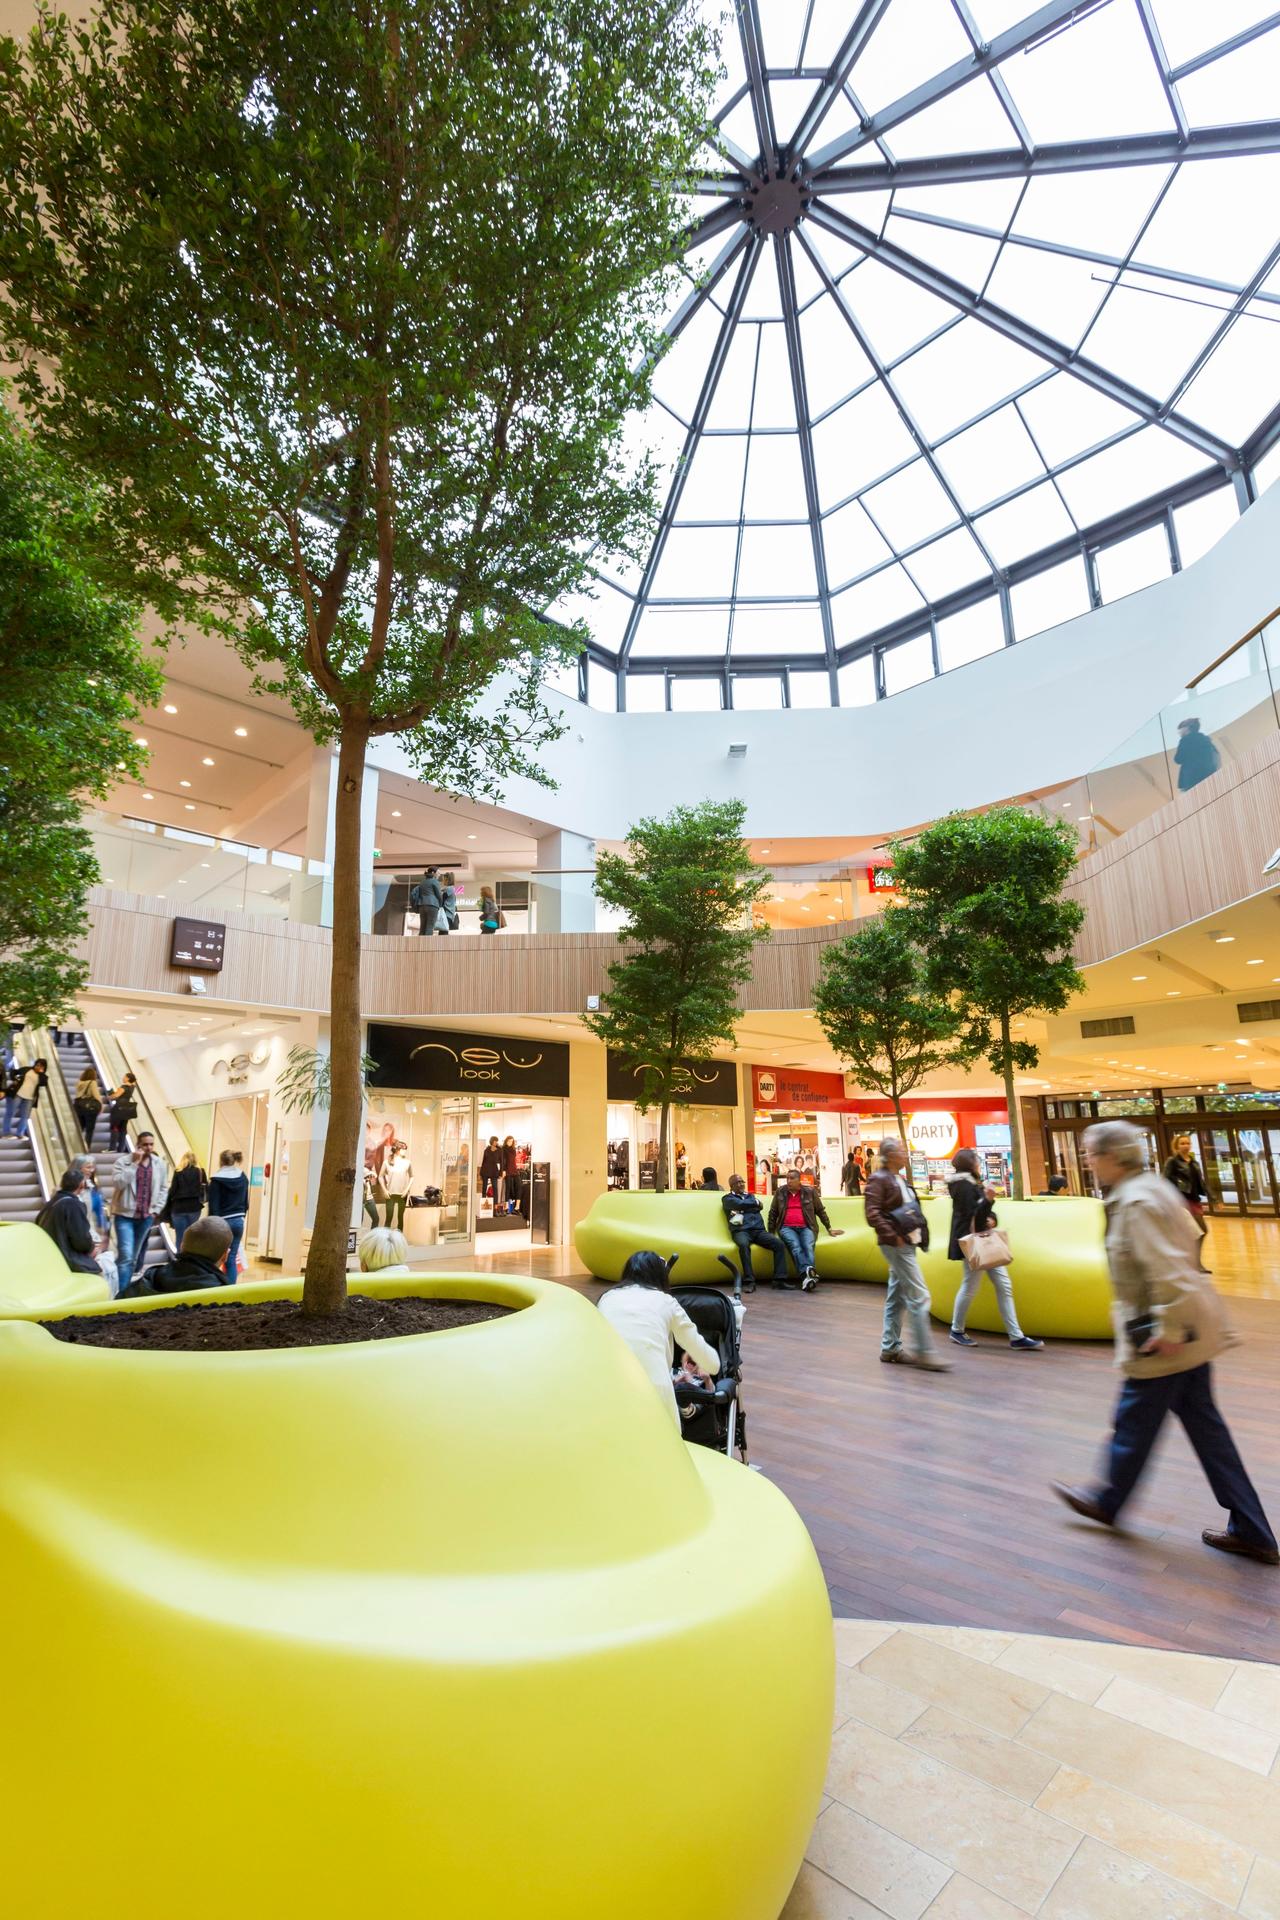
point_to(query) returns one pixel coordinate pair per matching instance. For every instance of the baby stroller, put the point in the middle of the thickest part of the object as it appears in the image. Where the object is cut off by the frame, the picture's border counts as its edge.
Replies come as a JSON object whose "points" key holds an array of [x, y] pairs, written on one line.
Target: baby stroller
{"points": [[713, 1416]]}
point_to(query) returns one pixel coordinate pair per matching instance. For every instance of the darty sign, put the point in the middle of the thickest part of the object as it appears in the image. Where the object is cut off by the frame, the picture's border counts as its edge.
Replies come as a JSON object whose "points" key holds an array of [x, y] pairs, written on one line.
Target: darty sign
{"points": [[935, 1134]]}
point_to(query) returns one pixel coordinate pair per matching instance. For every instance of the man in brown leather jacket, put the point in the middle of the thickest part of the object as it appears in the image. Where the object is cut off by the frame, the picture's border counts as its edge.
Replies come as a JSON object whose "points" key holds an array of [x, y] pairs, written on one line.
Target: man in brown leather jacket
{"points": [[794, 1217], [887, 1191]]}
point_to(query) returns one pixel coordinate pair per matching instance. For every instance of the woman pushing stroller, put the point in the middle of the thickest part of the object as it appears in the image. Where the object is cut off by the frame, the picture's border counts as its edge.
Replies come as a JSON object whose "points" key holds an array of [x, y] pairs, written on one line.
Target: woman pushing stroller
{"points": [[651, 1321]]}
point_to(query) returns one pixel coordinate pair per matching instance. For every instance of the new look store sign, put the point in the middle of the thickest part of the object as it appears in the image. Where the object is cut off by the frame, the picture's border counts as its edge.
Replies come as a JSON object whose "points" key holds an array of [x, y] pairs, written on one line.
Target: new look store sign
{"points": [[439, 1060], [698, 1083]]}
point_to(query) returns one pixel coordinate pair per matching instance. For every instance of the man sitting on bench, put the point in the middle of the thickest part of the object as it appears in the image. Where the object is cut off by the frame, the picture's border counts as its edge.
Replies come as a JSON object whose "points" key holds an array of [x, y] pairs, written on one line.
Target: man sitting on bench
{"points": [[746, 1224]]}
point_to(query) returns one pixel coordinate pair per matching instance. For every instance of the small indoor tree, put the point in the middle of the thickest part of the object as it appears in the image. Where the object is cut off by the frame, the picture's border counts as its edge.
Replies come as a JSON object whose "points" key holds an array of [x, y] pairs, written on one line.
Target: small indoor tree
{"points": [[986, 893], [74, 681], [345, 305], [685, 887], [876, 1008]]}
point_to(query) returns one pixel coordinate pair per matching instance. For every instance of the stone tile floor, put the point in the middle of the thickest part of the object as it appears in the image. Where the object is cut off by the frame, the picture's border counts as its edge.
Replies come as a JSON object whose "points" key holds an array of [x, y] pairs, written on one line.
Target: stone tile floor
{"points": [[979, 1775]]}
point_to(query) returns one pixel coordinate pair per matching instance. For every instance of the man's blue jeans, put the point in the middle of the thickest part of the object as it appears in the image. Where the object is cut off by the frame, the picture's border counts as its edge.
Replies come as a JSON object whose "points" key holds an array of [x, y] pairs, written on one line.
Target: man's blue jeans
{"points": [[1140, 1414], [798, 1242], [907, 1292], [10, 1102], [22, 1109], [744, 1242], [131, 1238]]}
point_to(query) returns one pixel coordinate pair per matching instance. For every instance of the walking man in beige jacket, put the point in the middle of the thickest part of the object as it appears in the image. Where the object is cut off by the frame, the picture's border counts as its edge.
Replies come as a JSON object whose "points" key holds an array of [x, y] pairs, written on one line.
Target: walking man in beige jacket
{"points": [[1169, 1327]]}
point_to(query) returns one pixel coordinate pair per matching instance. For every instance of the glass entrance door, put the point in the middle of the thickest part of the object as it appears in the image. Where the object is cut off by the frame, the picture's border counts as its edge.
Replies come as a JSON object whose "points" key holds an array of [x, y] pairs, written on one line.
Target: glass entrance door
{"points": [[1221, 1173], [1257, 1177], [455, 1167]]}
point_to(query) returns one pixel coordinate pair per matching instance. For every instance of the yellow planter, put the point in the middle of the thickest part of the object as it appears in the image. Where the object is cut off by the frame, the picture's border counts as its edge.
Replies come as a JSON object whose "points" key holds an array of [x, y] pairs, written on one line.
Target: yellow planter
{"points": [[1059, 1271], [452, 1625], [34, 1277]]}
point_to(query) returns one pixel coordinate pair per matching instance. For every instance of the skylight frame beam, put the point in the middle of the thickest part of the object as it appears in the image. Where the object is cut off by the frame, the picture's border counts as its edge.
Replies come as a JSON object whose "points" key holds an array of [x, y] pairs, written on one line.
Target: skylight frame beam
{"points": [[800, 398], [1084, 254], [866, 20], [752, 37], [1022, 334], [1155, 45], [710, 380], [1224, 47], [922, 442], [1247, 293], [1237, 139], [1056, 13]]}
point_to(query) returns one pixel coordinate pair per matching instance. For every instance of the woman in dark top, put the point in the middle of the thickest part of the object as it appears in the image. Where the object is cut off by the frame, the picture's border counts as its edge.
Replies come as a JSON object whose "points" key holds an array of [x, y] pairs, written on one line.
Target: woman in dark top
{"points": [[229, 1201], [1182, 1170], [87, 1104], [123, 1112], [186, 1197], [972, 1212], [851, 1176]]}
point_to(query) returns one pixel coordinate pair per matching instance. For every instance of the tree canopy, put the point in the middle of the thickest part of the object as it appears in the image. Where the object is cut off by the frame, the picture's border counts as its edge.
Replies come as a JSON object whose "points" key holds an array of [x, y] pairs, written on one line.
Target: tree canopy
{"points": [[685, 886], [876, 1008], [346, 307], [986, 891], [74, 680]]}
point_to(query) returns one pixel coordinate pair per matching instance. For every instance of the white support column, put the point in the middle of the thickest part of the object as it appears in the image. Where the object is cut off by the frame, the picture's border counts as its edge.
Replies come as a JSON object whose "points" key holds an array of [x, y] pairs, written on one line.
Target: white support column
{"points": [[311, 892], [565, 901]]}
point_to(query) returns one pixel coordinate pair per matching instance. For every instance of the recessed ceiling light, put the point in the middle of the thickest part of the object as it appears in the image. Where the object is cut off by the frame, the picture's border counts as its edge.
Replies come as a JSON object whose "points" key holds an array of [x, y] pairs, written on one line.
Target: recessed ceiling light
{"points": [[161, 896], [141, 741], [1253, 963], [206, 762], [1222, 939], [1137, 976], [190, 805], [148, 796], [204, 863], [766, 849], [1174, 993], [831, 916], [471, 836], [242, 733], [394, 814], [170, 709], [184, 783]]}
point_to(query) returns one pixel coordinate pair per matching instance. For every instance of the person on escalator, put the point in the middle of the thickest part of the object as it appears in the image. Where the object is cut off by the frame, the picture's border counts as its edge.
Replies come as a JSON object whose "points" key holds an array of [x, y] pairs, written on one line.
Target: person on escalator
{"points": [[229, 1201], [87, 1103], [122, 1112], [30, 1087]]}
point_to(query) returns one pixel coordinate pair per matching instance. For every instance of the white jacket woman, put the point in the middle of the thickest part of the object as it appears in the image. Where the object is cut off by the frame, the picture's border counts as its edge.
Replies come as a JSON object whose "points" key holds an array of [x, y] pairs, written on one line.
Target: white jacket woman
{"points": [[651, 1321]]}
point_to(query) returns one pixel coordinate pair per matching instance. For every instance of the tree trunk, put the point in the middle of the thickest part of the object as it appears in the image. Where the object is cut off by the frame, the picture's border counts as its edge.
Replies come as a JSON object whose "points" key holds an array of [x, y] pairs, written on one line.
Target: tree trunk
{"points": [[664, 1148], [325, 1290], [1015, 1132], [896, 1098]]}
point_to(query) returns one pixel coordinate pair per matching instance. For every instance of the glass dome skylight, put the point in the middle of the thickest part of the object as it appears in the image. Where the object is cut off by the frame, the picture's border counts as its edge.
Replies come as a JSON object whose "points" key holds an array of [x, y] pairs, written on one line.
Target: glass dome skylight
{"points": [[974, 295]]}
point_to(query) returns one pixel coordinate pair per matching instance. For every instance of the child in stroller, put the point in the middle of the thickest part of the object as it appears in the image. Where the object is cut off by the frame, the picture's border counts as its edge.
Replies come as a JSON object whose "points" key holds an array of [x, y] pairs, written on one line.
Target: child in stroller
{"points": [[712, 1415]]}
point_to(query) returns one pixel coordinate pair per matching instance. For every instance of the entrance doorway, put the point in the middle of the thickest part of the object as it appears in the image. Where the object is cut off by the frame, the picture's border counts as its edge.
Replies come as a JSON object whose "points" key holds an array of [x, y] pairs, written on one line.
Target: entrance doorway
{"points": [[460, 1193], [1241, 1164]]}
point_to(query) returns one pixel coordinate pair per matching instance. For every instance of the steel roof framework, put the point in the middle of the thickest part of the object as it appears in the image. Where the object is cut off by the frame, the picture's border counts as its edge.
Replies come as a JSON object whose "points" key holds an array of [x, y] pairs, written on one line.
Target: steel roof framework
{"points": [[791, 190]]}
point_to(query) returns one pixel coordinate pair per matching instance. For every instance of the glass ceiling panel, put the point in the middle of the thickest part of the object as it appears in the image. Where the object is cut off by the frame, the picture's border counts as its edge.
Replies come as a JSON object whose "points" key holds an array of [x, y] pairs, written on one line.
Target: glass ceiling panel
{"points": [[937, 389], [1242, 86], [1189, 27], [1094, 81]]}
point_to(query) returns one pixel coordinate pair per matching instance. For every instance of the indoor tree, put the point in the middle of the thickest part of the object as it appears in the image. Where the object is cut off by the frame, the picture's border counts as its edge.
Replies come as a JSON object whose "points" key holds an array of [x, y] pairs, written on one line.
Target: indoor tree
{"points": [[74, 681], [685, 888], [346, 305], [986, 892], [876, 1008]]}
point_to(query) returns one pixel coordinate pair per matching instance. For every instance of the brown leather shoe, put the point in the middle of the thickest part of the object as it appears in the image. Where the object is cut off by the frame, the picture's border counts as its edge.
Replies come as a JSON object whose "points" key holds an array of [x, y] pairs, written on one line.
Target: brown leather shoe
{"points": [[1081, 1501], [929, 1363], [1232, 1543]]}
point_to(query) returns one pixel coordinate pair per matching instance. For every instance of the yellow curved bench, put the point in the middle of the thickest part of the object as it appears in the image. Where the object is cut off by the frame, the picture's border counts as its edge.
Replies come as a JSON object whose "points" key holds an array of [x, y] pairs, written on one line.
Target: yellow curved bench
{"points": [[425, 1626], [35, 1278], [1059, 1270]]}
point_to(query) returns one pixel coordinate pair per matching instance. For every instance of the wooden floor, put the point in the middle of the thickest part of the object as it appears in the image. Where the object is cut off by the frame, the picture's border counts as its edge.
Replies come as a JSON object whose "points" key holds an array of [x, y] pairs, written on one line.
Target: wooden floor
{"points": [[927, 1495]]}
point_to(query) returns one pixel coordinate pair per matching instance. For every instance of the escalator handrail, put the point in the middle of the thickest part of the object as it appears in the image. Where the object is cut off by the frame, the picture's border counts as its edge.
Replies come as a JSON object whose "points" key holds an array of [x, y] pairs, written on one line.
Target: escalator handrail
{"points": [[69, 1141]]}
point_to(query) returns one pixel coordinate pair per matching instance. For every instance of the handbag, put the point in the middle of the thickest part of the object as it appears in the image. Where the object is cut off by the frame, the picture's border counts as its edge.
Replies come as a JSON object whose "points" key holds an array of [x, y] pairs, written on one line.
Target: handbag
{"points": [[987, 1249], [909, 1220]]}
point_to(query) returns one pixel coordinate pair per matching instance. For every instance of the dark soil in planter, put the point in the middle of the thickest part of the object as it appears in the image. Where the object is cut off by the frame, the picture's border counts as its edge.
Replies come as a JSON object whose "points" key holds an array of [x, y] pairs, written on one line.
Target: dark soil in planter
{"points": [[229, 1326]]}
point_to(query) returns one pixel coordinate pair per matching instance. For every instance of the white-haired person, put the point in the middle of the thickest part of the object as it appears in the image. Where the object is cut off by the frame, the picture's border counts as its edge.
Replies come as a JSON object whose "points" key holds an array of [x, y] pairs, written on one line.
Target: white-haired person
{"points": [[385, 1251], [1169, 1328]]}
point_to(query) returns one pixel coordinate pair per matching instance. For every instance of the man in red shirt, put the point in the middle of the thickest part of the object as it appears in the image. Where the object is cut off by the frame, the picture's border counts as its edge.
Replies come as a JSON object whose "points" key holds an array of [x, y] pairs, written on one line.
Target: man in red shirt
{"points": [[794, 1217]]}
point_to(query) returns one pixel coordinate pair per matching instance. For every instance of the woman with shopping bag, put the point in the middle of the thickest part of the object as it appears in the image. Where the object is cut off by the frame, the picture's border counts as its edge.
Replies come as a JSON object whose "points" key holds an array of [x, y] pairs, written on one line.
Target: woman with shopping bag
{"points": [[977, 1240]]}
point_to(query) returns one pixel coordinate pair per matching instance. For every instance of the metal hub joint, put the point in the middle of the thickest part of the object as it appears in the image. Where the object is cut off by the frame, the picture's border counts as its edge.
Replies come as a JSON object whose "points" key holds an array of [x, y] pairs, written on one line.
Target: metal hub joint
{"points": [[775, 206]]}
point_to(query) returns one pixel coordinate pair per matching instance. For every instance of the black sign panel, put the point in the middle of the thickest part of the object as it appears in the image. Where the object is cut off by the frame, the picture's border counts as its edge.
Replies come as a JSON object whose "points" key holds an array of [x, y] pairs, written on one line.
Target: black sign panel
{"points": [[197, 945], [435, 1061], [698, 1083]]}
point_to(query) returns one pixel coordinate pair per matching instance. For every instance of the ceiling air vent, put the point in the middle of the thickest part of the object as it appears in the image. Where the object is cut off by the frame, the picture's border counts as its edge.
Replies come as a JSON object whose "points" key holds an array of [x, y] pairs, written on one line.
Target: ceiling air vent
{"points": [[1257, 1010], [1105, 1029]]}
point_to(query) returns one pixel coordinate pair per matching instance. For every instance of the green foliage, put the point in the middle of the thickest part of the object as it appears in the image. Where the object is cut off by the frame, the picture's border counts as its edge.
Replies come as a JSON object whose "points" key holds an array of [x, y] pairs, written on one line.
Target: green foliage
{"points": [[304, 1082], [343, 305], [986, 890], [74, 680], [876, 1008], [686, 887]]}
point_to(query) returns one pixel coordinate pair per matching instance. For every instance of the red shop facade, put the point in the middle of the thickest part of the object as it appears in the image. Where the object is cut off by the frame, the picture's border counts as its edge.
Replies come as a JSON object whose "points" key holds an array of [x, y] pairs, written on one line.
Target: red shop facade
{"points": [[812, 1120]]}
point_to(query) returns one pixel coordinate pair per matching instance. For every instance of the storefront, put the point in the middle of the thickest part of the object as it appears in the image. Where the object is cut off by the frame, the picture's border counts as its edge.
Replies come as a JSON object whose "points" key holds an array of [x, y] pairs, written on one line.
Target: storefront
{"points": [[1235, 1135], [812, 1121], [471, 1127], [702, 1123]]}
